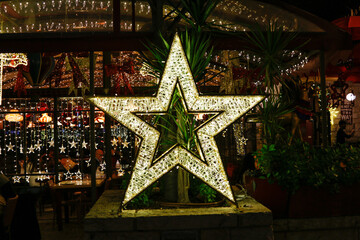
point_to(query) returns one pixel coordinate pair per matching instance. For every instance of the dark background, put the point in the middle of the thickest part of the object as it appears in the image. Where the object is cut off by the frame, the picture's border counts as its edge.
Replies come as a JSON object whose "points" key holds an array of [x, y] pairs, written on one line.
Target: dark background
{"points": [[327, 9]]}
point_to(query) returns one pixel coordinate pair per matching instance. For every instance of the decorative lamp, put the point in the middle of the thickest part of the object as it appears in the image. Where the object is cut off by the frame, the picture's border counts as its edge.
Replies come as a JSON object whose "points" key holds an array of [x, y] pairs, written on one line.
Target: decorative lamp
{"points": [[14, 117], [350, 96], [45, 118]]}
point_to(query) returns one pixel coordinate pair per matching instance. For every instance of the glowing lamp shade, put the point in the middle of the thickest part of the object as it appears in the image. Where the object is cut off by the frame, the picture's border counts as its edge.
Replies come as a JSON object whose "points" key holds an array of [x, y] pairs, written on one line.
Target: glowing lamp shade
{"points": [[14, 117], [350, 97], [45, 118]]}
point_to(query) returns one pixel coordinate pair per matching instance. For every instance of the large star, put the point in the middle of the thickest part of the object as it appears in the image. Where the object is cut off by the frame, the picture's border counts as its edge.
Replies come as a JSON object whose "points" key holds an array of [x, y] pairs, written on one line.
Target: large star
{"points": [[149, 169]]}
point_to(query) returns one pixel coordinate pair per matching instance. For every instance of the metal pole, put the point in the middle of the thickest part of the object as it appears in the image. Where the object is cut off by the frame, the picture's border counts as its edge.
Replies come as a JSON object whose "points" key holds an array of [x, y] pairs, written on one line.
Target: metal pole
{"points": [[324, 118], [116, 16], [107, 86], [92, 131], [56, 142]]}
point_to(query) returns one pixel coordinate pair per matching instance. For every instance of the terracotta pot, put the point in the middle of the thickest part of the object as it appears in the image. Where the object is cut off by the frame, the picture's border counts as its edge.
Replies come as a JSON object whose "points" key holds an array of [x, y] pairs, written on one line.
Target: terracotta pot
{"points": [[271, 196]]}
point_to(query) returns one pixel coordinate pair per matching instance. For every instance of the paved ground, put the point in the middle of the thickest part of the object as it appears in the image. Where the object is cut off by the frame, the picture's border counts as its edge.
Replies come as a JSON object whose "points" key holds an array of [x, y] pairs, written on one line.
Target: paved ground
{"points": [[72, 230]]}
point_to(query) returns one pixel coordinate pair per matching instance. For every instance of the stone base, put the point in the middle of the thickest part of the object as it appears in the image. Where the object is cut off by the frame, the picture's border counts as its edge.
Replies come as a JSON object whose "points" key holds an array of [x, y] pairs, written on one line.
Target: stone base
{"points": [[249, 220]]}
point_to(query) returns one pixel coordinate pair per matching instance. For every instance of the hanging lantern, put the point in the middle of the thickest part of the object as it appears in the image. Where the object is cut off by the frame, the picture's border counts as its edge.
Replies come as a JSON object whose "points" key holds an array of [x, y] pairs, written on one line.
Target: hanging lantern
{"points": [[14, 117], [45, 118]]}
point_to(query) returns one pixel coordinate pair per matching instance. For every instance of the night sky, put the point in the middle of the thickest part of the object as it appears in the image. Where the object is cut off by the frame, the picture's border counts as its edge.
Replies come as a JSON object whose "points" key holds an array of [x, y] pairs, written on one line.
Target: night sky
{"points": [[327, 9]]}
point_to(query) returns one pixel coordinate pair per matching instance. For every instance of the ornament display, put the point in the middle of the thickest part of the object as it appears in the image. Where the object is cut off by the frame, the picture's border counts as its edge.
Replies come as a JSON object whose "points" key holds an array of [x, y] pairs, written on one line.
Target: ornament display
{"points": [[208, 167]]}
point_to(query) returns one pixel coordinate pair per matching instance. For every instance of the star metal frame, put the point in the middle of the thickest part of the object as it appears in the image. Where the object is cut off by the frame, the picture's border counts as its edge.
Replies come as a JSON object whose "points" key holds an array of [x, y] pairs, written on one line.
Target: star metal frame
{"points": [[208, 167]]}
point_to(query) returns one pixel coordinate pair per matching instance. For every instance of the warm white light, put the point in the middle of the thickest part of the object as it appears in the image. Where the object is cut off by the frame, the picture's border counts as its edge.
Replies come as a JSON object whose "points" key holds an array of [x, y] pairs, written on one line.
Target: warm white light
{"points": [[10, 60], [14, 117], [350, 97], [45, 118], [333, 114], [208, 167]]}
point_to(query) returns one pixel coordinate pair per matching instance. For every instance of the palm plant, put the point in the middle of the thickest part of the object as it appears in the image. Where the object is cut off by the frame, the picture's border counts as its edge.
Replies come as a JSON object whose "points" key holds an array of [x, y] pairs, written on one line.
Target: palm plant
{"points": [[271, 47]]}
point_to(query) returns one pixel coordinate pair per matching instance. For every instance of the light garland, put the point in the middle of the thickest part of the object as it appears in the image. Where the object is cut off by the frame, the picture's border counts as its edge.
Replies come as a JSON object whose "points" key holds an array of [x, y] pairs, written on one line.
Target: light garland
{"points": [[208, 167], [333, 114], [10, 60]]}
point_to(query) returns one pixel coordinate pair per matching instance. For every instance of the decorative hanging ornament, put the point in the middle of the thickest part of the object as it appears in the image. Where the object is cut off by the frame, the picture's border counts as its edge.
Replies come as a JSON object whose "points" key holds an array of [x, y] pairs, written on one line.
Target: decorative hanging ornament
{"points": [[62, 149], [45, 118], [73, 144], [38, 146], [78, 175], [14, 117], [16, 179], [114, 142], [51, 143], [208, 167], [84, 144], [68, 175], [103, 166], [125, 144], [88, 162], [31, 149], [10, 60], [10, 147]]}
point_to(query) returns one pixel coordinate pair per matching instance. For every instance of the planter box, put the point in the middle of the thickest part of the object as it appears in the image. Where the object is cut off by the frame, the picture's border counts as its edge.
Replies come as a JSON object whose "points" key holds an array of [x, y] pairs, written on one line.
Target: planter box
{"points": [[248, 220], [312, 202], [307, 202], [271, 196]]}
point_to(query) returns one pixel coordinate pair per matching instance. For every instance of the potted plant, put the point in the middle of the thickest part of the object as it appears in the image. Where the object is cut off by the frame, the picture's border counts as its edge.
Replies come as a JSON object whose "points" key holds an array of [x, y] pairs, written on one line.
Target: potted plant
{"points": [[317, 182]]}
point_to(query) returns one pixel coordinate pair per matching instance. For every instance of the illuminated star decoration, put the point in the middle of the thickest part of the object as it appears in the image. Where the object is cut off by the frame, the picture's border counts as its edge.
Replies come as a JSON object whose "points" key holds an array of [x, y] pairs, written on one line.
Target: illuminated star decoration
{"points": [[208, 167], [21, 149], [114, 142], [73, 144], [31, 149], [38, 146], [88, 162], [68, 175], [84, 144], [102, 166], [51, 143], [10, 147], [243, 140], [62, 149], [27, 179], [10, 60], [78, 174], [16, 179], [125, 144]]}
